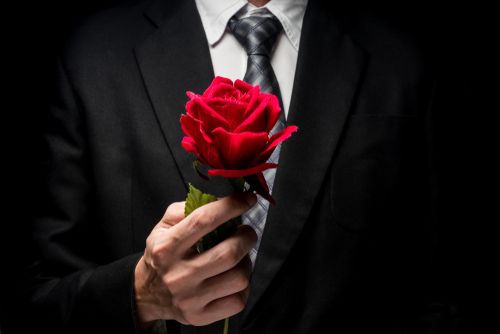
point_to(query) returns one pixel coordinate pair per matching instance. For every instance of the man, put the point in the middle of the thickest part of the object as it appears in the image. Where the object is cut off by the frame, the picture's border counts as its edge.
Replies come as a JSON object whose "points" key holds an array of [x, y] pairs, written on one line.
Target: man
{"points": [[349, 244]]}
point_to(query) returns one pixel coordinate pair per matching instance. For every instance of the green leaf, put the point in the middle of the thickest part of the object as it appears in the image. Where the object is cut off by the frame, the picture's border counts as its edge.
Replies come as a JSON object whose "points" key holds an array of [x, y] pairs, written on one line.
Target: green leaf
{"points": [[237, 183], [195, 199]]}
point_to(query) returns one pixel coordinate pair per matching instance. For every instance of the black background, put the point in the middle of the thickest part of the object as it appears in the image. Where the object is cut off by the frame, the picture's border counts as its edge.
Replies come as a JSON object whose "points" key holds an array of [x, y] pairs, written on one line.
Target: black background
{"points": [[454, 35]]}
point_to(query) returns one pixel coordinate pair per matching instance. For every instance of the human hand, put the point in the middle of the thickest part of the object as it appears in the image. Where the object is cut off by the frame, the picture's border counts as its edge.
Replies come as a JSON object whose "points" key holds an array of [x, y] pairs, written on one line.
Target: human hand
{"points": [[173, 282]]}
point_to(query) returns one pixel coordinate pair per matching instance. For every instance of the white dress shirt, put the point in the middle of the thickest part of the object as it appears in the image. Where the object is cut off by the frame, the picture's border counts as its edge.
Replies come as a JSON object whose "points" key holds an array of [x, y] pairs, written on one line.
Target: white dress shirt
{"points": [[229, 59]]}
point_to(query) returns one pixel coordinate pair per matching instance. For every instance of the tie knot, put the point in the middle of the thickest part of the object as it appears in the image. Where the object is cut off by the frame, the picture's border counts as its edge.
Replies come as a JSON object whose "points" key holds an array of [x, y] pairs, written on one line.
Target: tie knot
{"points": [[257, 34]]}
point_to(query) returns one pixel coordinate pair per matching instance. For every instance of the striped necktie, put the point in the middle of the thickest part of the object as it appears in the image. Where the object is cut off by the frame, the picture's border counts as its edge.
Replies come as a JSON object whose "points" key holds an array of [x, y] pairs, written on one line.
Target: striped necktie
{"points": [[257, 35]]}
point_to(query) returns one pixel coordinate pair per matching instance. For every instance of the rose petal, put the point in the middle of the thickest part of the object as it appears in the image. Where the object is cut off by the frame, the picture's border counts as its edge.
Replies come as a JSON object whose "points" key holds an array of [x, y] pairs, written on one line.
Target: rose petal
{"points": [[241, 172], [193, 128], [216, 81], [256, 121], [275, 141], [242, 86], [264, 191], [212, 157], [191, 95], [224, 90], [273, 109], [189, 145], [230, 110], [274, 112], [207, 151], [209, 117], [251, 98], [239, 150]]}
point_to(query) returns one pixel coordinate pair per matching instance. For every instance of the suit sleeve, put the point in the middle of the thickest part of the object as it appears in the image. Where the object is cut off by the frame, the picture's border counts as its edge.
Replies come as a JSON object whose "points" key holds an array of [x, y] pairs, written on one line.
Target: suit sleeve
{"points": [[70, 290]]}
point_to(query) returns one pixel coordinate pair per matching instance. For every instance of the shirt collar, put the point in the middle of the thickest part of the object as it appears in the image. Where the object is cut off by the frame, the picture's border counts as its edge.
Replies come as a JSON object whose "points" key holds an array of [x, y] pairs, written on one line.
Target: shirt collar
{"points": [[215, 15]]}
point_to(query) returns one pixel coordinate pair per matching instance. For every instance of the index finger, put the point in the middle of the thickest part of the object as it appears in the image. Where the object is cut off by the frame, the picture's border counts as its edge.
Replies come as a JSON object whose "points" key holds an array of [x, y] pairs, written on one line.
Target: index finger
{"points": [[210, 216]]}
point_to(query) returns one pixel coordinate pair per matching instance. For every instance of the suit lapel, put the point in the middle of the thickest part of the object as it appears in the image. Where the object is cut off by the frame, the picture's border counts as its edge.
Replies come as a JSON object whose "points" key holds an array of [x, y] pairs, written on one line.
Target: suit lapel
{"points": [[173, 59], [328, 71]]}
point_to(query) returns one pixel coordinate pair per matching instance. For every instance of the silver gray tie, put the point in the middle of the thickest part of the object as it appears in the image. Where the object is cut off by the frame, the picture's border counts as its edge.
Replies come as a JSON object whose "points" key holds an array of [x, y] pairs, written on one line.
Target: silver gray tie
{"points": [[258, 35]]}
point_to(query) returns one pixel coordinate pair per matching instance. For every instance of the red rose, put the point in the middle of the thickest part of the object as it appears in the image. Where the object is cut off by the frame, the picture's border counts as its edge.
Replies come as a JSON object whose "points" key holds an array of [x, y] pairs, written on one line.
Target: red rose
{"points": [[227, 128]]}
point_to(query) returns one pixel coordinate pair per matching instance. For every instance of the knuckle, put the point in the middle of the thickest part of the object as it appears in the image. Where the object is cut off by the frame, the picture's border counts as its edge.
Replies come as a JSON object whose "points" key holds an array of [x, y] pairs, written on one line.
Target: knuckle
{"points": [[179, 278], [185, 274], [191, 269], [202, 219], [241, 281], [172, 283], [170, 210], [185, 305], [157, 255], [183, 311], [171, 242], [195, 319], [156, 250], [228, 255], [174, 211], [206, 218], [237, 303], [150, 240], [162, 251], [174, 300], [148, 252]]}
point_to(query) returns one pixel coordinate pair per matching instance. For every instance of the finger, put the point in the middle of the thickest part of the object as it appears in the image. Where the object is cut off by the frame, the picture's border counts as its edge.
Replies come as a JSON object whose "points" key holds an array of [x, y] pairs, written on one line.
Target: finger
{"points": [[244, 294], [208, 217], [224, 307], [247, 265], [225, 255], [173, 214], [225, 284], [161, 245]]}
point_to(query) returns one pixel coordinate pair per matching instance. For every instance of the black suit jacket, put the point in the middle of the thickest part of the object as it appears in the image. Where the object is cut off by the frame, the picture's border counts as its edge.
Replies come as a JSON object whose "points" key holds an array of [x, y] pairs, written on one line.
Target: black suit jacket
{"points": [[348, 245]]}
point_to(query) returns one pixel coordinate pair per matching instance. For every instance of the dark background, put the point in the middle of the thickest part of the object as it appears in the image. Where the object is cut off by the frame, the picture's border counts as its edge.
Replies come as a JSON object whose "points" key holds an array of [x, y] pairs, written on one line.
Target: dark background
{"points": [[454, 36]]}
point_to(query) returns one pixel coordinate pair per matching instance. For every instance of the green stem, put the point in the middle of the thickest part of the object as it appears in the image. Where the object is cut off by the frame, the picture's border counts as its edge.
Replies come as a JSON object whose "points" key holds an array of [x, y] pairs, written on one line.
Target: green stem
{"points": [[238, 184], [226, 326]]}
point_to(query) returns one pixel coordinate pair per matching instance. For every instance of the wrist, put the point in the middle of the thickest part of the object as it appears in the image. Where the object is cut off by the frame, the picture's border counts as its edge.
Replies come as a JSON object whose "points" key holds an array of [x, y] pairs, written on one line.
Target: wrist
{"points": [[148, 302]]}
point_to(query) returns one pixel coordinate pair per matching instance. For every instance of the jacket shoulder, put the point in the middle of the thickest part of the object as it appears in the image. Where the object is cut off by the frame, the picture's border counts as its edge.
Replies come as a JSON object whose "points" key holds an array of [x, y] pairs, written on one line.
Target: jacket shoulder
{"points": [[389, 45], [107, 34]]}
